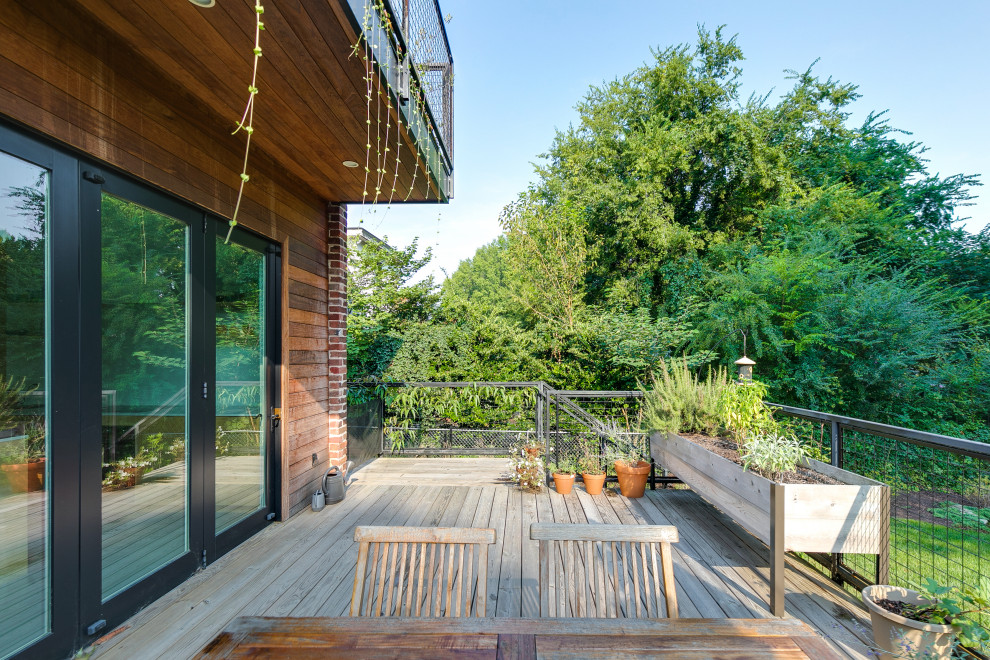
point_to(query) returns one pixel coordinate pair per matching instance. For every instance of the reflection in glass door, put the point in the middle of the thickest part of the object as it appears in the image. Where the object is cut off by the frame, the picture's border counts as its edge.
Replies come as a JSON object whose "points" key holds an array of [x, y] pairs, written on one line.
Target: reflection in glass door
{"points": [[24, 473], [145, 418], [241, 424]]}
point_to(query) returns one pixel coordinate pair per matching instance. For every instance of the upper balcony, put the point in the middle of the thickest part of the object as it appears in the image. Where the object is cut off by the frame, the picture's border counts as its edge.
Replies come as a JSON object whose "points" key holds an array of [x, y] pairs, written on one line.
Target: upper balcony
{"points": [[408, 42], [313, 118]]}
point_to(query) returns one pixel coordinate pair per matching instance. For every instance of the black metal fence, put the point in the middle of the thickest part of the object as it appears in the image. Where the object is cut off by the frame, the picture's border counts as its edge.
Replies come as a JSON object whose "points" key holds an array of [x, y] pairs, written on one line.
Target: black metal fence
{"points": [[429, 51], [940, 499]]}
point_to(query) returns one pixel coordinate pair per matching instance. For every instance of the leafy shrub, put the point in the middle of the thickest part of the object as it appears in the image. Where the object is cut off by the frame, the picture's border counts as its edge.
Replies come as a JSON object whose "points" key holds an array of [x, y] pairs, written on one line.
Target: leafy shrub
{"points": [[771, 454], [740, 408], [680, 402]]}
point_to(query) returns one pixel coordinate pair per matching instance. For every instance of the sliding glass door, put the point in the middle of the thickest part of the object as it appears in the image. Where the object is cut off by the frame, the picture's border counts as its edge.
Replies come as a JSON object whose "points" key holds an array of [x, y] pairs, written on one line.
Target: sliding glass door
{"points": [[25, 582], [186, 371], [242, 390], [145, 327], [138, 378]]}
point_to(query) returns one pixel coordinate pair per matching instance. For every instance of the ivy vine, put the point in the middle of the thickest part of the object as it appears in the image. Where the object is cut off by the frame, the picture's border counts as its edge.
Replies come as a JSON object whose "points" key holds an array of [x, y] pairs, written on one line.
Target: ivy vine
{"points": [[246, 122]]}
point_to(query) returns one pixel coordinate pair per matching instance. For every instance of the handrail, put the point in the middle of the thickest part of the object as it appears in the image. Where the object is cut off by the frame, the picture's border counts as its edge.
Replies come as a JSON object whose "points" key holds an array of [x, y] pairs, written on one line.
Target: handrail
{"points": [[960, 446]]}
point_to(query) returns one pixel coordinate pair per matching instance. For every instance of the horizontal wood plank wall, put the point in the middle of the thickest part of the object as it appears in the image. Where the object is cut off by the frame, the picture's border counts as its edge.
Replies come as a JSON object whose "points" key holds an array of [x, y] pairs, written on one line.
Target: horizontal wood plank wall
{"points": [[63, 75]]}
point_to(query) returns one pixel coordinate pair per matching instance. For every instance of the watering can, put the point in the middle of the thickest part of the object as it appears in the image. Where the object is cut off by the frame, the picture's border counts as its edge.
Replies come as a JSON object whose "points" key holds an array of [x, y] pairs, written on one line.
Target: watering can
{"points": [[332, 488]]}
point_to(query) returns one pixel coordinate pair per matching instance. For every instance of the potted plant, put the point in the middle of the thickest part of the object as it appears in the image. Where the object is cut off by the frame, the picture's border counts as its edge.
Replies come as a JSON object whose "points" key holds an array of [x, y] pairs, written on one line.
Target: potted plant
{"points": [[928, 622], [631, 467], [22, 460], [591, 467], [125, 473], [564, 473], [527, 467]]}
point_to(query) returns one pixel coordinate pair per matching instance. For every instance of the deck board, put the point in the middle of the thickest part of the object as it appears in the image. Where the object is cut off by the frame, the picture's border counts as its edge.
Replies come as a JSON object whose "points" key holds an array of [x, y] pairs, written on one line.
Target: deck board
{"points": [[304, 567]]}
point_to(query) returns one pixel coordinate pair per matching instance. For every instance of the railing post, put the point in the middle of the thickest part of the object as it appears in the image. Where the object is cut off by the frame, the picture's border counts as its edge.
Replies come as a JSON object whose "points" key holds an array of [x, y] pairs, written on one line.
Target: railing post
{"points": [[381, 425], [836, 458], [836, 452], [777, 565], [538, 422]]}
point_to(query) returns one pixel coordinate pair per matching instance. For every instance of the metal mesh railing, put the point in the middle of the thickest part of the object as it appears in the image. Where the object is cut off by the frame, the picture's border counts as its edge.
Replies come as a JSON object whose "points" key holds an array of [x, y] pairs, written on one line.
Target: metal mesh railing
{"points": [[939, 499], [455, 441], [429, 51]]}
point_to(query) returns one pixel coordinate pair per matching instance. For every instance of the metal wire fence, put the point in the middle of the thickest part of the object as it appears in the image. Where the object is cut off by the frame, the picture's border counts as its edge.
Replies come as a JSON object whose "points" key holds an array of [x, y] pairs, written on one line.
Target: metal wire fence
{"points": [[939, 504], [429, 51]]}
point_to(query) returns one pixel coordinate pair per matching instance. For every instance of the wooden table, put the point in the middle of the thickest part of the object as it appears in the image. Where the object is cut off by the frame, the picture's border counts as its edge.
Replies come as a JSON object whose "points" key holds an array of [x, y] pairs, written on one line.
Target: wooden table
{"points": [[435, 639]]}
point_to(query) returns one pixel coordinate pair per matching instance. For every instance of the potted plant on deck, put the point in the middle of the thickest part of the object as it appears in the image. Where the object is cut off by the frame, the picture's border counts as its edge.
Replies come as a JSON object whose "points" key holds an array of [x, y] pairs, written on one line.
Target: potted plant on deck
{"points": [[632, 470], [591, 467], [527, 466], [564, 472], [929, 622]]}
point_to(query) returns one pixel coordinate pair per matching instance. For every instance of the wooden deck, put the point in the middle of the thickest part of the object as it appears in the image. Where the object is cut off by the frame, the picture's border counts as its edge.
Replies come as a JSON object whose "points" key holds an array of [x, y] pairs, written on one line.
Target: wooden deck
{"points": [[305, 567]]}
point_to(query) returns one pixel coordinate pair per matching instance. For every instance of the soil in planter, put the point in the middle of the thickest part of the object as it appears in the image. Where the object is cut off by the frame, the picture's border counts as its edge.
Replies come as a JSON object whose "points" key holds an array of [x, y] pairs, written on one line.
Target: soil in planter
{"points": [[727, 449], [900, 608]]}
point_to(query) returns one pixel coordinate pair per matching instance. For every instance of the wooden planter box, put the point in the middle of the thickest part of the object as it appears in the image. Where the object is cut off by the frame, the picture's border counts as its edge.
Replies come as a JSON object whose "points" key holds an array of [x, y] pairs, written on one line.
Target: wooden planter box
{"points": [[853, 516]]}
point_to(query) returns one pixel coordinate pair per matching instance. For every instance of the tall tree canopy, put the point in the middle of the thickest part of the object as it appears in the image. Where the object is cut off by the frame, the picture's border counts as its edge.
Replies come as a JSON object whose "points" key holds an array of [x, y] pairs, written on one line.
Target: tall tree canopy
{"points": [[674, 216]]}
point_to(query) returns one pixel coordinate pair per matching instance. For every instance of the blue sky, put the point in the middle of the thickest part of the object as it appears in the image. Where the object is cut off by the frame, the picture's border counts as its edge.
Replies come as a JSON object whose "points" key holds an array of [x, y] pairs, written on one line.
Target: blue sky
{"points": [[521, 66]]}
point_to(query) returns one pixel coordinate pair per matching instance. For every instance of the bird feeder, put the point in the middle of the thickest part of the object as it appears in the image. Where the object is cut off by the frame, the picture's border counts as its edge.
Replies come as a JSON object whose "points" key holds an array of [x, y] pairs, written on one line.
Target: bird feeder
{"points": [[745, 368]]}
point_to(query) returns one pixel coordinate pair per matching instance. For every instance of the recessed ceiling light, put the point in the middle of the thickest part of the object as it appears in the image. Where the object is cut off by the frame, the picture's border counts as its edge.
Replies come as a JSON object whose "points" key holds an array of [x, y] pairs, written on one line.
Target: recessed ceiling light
{"points": [[350, 163], [203, 3]]}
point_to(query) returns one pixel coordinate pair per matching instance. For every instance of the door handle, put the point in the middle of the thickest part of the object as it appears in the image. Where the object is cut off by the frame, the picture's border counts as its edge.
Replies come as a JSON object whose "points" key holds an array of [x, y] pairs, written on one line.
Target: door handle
{"points": [[276, 417]]}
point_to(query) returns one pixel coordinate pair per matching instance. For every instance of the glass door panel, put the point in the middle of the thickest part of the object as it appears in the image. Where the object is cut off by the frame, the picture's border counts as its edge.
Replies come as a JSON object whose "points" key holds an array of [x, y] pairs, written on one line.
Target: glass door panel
{"points": [[241, 420], [145, 330], [24, 483]]}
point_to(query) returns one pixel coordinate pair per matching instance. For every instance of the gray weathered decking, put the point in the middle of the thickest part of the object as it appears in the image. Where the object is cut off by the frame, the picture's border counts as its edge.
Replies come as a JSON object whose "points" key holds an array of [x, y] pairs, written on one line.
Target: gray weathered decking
{"points": [[305, 567]]}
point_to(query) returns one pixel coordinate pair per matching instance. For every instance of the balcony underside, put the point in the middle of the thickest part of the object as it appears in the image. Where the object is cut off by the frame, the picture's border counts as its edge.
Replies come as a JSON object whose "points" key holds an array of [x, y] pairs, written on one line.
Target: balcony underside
{"points": [[304, 567], [311, 111]]}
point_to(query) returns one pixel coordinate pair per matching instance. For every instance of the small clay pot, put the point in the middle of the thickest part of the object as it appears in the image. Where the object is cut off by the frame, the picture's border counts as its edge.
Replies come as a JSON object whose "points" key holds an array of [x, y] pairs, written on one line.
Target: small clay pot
{"points": [[593, 483], [563, 483]]}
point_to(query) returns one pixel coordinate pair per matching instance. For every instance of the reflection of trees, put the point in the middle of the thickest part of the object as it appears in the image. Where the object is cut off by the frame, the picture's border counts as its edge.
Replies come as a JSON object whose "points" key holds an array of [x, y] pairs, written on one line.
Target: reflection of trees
{"points": [[22, 284], [143, 261], [240, 314]]}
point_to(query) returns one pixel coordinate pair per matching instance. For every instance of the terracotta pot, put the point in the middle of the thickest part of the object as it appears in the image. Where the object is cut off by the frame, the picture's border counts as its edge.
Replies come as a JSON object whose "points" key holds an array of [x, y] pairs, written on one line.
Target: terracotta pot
{"points": [[533, 452], [593, 483], [632, 478], [900, 635], [563, 483], [25, 477]]}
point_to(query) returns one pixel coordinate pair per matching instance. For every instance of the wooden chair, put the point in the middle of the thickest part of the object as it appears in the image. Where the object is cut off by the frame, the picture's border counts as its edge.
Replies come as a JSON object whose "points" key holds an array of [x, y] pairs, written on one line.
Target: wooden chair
{"points": [[605, 570], [421, 571]]}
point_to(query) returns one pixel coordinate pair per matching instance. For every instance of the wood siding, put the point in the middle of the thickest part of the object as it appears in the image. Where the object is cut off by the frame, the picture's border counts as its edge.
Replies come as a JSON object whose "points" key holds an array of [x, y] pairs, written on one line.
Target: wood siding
{"points": [[70, 78]]}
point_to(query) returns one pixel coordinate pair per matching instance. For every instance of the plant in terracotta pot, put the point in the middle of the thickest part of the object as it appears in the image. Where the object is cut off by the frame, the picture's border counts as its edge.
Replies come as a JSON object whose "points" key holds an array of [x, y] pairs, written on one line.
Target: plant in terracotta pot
{"points": [[591, 467], [564, 471], [125, 473], [928, 622], [22, 458], [631, 467]]}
